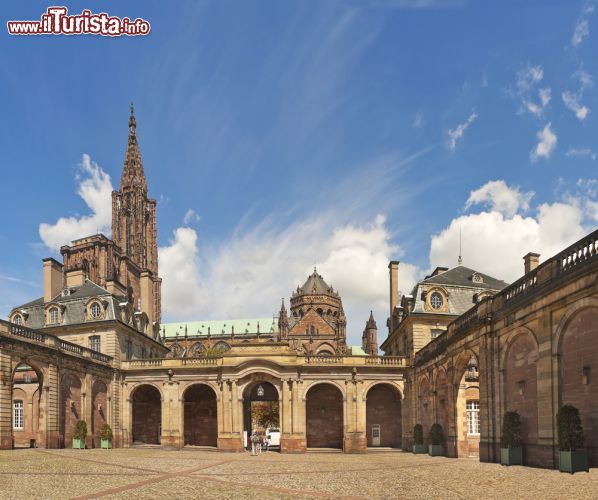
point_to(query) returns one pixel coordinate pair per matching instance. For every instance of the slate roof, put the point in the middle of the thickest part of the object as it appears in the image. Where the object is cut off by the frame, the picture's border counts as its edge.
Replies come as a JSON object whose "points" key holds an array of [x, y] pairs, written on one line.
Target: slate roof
{"points": [[315, 284], [462, 276]]}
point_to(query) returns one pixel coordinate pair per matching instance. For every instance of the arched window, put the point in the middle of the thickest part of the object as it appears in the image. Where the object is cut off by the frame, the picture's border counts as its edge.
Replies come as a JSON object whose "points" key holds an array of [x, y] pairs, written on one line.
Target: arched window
{"points": [[54, 316], [95, 311], [436, 300], [17, 319]]}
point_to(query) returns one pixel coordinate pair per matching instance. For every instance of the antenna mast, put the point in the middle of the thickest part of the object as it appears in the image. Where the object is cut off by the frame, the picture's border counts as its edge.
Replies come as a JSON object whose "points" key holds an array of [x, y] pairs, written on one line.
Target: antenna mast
{"points": [[460, 260]]}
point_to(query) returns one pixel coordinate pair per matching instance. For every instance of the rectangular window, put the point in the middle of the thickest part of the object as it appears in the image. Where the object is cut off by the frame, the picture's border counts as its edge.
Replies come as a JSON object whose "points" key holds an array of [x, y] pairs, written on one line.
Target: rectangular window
{"points": [[473, 417], [129, 350], [94, 343], [143, 353], [18, 417]]}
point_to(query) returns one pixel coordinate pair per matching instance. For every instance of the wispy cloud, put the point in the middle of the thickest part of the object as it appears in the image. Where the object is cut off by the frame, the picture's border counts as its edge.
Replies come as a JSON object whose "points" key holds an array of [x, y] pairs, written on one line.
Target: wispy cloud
{"points": [[458, 132], [19, 280], [419, 121], [547, 140], [191, 217], [582, 26], [581, 153], [572, 100], [501, 198], [532, 99]]}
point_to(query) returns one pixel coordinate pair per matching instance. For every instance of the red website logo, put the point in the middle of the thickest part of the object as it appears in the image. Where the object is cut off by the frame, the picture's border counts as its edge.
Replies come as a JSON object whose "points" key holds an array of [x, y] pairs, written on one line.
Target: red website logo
{"points": [[56, 21]]}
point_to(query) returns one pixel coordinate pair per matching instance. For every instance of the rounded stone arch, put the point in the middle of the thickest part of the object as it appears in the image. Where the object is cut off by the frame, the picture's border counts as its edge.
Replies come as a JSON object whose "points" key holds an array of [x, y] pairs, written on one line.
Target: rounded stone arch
{"points": [[251, 376], [200, 414], [70, 406], [569, 315], [577, 368], [99, 411], [511, 338], [383, 414], [519, 387], [196, 350], [208, 383], [326, 348], [462, 363], [146, 401], [335, 383], [221, 346], [395, 385], [324, 415], [26, 392]]}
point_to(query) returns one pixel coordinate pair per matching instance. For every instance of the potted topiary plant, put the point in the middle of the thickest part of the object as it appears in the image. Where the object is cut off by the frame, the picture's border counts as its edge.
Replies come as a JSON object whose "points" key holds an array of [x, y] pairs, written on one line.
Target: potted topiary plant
{"points": [[418, 439], [435, 440], [106, 436], [572, 455], [79, 435], [511, 441]]}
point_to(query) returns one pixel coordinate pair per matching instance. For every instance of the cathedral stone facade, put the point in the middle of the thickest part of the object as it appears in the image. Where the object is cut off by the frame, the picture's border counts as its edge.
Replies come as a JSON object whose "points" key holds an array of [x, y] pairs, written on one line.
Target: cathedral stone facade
{"points": [[462, 348]]}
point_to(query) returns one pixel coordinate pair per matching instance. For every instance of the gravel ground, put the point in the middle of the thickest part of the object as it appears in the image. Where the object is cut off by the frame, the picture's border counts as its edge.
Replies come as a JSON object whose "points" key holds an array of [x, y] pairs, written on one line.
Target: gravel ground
{"points": [[153, 473]]}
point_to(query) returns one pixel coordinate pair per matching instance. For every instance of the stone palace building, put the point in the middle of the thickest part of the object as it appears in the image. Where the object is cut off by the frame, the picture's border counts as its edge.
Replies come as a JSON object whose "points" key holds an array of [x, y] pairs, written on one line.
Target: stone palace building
{"points": [[462, 348]]}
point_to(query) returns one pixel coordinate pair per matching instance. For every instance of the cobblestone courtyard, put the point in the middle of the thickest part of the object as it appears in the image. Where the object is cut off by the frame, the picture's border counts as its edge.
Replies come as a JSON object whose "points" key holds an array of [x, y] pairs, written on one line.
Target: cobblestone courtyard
{"points": [[153, 473]]}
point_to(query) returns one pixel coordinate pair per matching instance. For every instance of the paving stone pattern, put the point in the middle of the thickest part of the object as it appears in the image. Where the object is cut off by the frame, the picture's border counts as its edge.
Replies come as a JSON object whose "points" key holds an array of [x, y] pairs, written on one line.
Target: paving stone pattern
{"points": [[154, 473]]}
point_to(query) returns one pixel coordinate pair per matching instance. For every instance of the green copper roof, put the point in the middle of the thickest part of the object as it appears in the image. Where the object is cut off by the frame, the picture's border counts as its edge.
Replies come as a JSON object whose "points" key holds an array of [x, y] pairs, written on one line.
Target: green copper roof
{"points": [[220, 327], [356, 350]]}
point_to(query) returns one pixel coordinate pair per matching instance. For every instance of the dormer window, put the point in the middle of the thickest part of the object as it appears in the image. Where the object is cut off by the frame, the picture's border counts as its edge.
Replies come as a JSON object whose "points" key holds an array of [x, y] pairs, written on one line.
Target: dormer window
{"points": [[17, 319], [95, 311], [477, 278], [53, 316]]}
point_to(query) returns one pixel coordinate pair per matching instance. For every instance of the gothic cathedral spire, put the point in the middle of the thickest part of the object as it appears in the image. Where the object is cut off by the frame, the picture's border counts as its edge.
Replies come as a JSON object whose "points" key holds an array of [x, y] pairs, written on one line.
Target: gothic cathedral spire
{"points": [[133, 213]]}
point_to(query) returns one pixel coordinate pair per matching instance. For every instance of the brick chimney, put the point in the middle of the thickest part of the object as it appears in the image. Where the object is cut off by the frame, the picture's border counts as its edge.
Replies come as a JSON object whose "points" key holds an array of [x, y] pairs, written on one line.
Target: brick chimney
{"points": [[52, 278], [531, 261], [394, 291]]}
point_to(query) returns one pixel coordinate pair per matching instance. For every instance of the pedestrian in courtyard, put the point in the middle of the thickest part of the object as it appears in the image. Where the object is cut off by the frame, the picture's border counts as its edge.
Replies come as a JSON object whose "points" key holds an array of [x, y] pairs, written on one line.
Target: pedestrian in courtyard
{"points": [[255, 440]]}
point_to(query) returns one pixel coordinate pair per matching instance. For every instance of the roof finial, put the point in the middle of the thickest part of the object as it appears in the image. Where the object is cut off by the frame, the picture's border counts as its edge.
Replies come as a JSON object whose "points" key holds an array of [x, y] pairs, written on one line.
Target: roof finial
{"points": [[460, 260], [132, 123]]}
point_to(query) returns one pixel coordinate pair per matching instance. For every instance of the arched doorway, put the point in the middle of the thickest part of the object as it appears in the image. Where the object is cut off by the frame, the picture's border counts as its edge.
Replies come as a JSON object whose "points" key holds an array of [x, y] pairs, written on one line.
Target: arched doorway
{"points": [[468, 408], [383, 416], [70, 408], [261, 410], [324, 417], [26, 394], [578, 367], [99, 412], [147, 415], [200, 416]]}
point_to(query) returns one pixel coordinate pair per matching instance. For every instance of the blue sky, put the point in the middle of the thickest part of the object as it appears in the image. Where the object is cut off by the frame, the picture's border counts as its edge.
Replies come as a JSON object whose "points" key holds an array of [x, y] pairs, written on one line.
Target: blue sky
{"points": [[293, 133]]}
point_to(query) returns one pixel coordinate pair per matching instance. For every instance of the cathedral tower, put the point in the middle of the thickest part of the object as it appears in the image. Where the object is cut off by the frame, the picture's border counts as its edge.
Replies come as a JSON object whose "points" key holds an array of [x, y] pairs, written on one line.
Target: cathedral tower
{"points": [[133, 213]]}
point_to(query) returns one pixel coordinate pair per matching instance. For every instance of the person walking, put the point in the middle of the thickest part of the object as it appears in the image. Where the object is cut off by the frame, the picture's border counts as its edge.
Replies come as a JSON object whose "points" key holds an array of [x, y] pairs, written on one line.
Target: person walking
{"points": [[255, 440]]}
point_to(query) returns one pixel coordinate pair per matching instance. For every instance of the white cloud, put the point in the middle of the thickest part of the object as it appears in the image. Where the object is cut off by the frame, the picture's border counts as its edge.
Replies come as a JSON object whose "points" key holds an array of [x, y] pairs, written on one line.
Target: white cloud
{"points": [[190, 217], [494, 241], [419, 121], [534, 100], [248, 274], [581, 153], [95, 188], [547, 141], [500, 198], [571, 100], [459, 131], [581, 32]]}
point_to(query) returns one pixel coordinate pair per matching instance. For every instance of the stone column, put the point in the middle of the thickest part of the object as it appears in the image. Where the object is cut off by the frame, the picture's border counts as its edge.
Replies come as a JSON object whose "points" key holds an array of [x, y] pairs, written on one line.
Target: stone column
{"points": [[6, 438], [171, 435], [354, 438], [52, 407], [86, 408], [230, 438], [547, 406]]}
